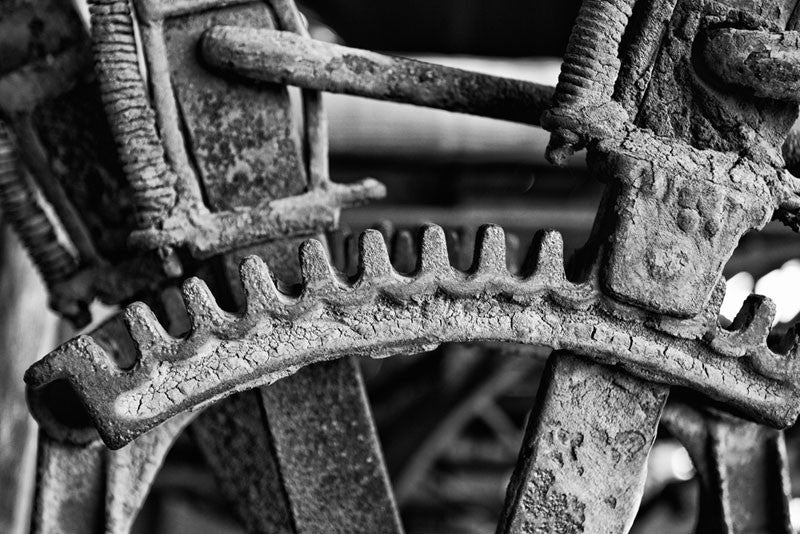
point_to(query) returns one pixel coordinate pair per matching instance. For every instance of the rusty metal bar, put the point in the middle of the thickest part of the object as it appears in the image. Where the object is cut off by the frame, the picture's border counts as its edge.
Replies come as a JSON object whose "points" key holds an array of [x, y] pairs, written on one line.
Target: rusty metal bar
{"points": [[583, 461], [286, 58], [768, 64], [25, 331]]}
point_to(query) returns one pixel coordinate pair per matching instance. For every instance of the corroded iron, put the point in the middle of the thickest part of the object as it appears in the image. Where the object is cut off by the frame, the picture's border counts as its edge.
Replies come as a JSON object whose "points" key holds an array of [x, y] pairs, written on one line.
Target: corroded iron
{"points": [[743, 470], [701, 189], [289, 59], [226, 353], [63, 190], [565, 436], [237, 143], [152, 144]]}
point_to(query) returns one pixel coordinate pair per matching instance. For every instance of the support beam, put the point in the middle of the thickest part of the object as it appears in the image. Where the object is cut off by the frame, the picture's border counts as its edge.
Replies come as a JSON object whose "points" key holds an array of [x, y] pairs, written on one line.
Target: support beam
{"points": [[583, 461]]}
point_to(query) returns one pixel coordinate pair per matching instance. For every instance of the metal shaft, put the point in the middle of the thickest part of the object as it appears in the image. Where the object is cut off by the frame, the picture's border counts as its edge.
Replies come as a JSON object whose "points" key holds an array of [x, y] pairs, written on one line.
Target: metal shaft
{"points": [[287, 58]]}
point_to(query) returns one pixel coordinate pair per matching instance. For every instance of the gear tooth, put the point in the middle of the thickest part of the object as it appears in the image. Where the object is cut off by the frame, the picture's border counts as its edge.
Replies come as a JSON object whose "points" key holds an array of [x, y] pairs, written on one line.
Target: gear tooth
{"points": [[145, 329], [754, 320], [259, 289], [337, 245], [200, 304], [432, 252], [546, 257], [314, 266], [490, 250], [404, 254], [373, 257]]}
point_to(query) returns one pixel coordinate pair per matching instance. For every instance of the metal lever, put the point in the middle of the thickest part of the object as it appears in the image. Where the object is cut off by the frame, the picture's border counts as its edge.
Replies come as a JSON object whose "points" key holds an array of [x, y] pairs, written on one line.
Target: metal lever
{"points": [[287, 58]]}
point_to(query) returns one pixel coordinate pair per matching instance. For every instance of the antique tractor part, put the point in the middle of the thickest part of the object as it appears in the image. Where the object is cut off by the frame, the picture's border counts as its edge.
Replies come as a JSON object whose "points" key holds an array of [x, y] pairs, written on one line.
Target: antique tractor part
{"points": [[152, 142], [612, 320], [62, 189], [89, 461], [747, 190], [225, 353], [289, 59]]}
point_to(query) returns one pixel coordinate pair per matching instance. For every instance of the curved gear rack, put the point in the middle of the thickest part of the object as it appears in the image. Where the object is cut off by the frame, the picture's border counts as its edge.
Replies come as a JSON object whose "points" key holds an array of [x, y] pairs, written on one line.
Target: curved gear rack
{"points": [[643, 301]]}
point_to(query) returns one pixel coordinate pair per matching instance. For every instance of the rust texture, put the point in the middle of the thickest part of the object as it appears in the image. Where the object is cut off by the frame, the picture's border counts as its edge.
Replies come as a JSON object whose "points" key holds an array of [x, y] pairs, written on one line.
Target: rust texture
{"points": [[684, 108], [562, 484], [289, 59], [682, 119], [129, 112], [65, 163], [153, 146], [226, 353]]}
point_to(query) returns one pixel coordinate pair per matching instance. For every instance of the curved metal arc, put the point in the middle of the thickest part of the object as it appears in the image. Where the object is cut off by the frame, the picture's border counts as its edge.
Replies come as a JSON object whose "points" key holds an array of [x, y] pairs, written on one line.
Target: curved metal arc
{"points": [[381, 314]]}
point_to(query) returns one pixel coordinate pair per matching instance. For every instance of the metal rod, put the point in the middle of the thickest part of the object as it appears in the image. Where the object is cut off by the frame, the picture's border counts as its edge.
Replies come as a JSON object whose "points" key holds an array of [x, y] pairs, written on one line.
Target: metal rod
{"points": [[286, 58]]}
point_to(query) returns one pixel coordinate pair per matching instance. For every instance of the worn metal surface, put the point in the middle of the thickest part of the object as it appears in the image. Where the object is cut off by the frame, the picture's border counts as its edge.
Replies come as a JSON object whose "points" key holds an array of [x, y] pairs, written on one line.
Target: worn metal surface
{"points": [[289, 59], [766, 63], [66, 166], [24, 298], [691, 163], [330, 457], [85, 487], [582, 465], [256, 176], [82, 486], [702, 187], [743, 470], [153, 145], [226, 353]]}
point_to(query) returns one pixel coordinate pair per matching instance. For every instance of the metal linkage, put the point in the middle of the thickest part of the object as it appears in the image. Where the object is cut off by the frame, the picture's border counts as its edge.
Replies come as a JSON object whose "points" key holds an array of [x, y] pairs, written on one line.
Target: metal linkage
{"points": [[287, 58], [743, 470], [635, 93], [383, 313], [557, 486], [152, 143], [61, 186], [673, 266]]}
